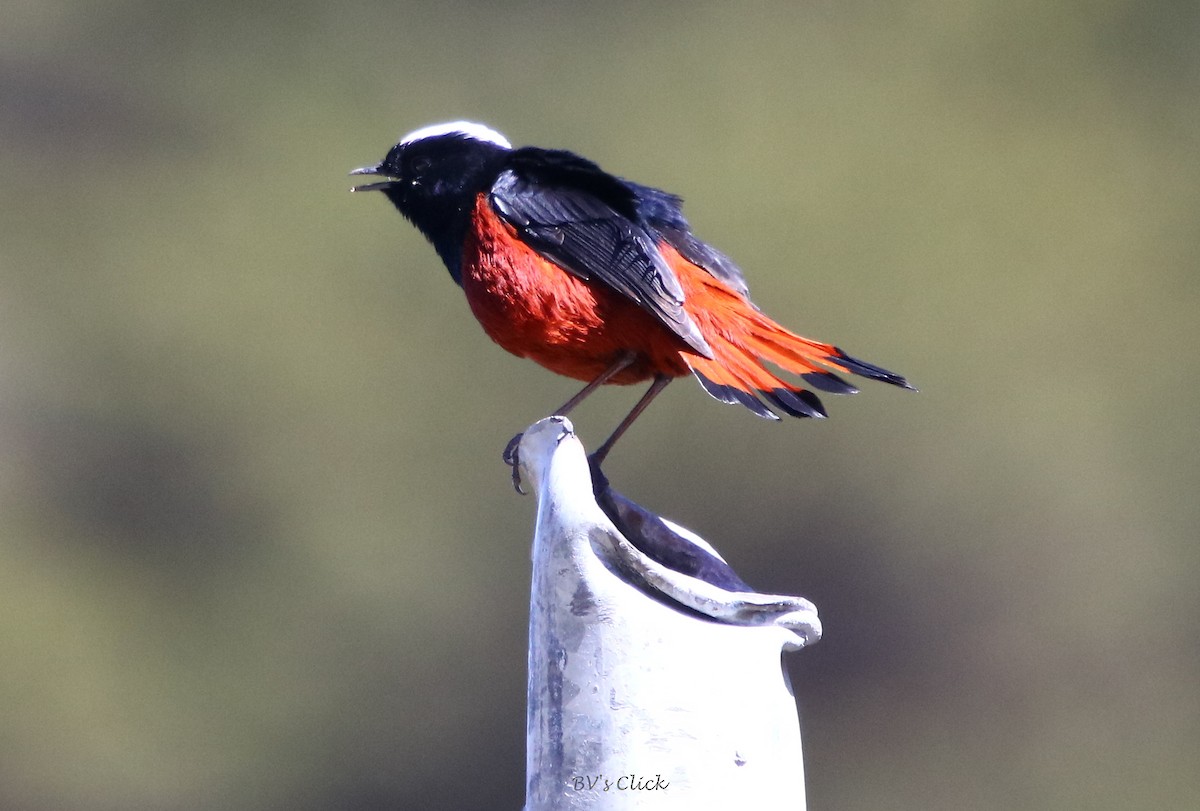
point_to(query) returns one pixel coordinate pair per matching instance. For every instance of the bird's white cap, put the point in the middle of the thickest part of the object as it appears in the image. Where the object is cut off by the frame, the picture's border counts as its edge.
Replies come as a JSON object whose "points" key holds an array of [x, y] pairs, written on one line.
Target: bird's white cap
{"points": [[470, 129]]}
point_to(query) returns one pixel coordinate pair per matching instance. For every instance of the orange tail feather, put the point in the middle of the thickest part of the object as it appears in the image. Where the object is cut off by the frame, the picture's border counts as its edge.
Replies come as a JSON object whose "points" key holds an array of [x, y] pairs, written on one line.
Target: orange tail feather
{"points": [[743, 340]]}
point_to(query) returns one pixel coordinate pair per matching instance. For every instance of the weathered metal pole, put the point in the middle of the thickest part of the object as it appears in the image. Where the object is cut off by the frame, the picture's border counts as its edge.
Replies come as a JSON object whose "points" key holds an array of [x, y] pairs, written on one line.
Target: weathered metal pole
{"points": [[649, 688]]}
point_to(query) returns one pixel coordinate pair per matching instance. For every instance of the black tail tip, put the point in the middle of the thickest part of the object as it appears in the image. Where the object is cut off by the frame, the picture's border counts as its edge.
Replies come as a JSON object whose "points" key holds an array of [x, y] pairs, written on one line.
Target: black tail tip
{"points": [[870, 370], [793, 402], [828, 381], [796, 403]]}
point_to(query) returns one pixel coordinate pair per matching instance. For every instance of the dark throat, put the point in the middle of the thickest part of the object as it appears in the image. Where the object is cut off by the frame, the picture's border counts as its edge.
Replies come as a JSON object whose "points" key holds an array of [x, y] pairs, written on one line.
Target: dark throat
{"points": [[441, 207]]}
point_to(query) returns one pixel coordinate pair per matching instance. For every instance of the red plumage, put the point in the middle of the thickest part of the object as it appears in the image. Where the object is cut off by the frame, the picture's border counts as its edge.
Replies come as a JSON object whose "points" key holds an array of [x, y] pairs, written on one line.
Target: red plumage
{"points": [[534, 309]]}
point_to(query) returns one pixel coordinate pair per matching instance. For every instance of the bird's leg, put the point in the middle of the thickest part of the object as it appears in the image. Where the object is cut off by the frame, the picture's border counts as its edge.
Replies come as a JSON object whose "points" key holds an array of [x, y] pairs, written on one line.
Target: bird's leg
{"points": [[511, 455], [597, 456], [623, 361]]}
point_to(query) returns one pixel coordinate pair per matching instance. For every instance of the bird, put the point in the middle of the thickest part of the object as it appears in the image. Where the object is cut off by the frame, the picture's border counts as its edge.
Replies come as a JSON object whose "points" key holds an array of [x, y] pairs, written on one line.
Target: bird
{"points": [[599, 278]]}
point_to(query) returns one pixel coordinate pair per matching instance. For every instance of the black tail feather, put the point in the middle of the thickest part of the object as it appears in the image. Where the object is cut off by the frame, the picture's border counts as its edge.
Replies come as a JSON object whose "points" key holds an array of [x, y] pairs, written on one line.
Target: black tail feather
{"points": [[861, 367], [829, 382], [731, 394], [795, 402]]}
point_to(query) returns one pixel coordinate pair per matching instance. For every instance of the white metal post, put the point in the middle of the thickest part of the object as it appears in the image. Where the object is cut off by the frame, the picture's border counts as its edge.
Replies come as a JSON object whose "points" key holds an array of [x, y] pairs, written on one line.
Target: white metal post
{"points": [[648, 689]]}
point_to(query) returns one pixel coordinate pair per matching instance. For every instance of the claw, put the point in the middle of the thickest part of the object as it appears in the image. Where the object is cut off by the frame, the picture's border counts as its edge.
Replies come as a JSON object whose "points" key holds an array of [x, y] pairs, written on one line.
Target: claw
{"points": [[512, 458]]}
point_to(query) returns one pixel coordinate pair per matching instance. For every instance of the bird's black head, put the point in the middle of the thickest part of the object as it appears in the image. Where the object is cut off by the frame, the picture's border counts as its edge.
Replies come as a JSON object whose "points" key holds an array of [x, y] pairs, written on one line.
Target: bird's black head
{"points": [[433, 176]]}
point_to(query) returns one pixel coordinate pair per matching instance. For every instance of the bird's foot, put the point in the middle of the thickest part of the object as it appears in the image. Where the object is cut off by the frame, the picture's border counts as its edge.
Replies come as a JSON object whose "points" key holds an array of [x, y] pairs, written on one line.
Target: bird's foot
{"points": [[512, 458]]}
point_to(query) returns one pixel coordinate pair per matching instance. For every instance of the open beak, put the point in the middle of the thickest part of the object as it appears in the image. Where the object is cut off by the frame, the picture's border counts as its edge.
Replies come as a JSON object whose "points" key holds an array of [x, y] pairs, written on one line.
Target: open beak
{"points": [[371, 170]]}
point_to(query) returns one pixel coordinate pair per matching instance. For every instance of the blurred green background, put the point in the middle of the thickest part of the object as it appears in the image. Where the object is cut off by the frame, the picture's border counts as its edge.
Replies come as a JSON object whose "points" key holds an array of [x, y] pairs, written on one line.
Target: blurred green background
{"points": [[257, 548]]}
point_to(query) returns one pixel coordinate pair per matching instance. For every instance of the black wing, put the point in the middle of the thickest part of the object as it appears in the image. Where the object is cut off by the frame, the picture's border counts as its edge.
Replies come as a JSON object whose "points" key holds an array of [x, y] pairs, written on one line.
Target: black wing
{"points": [[663, 211], [587, 222]]}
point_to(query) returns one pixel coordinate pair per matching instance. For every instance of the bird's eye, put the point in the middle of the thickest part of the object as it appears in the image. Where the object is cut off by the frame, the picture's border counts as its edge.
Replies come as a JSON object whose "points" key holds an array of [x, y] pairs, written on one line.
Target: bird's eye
{"points": [[421, 164]]}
